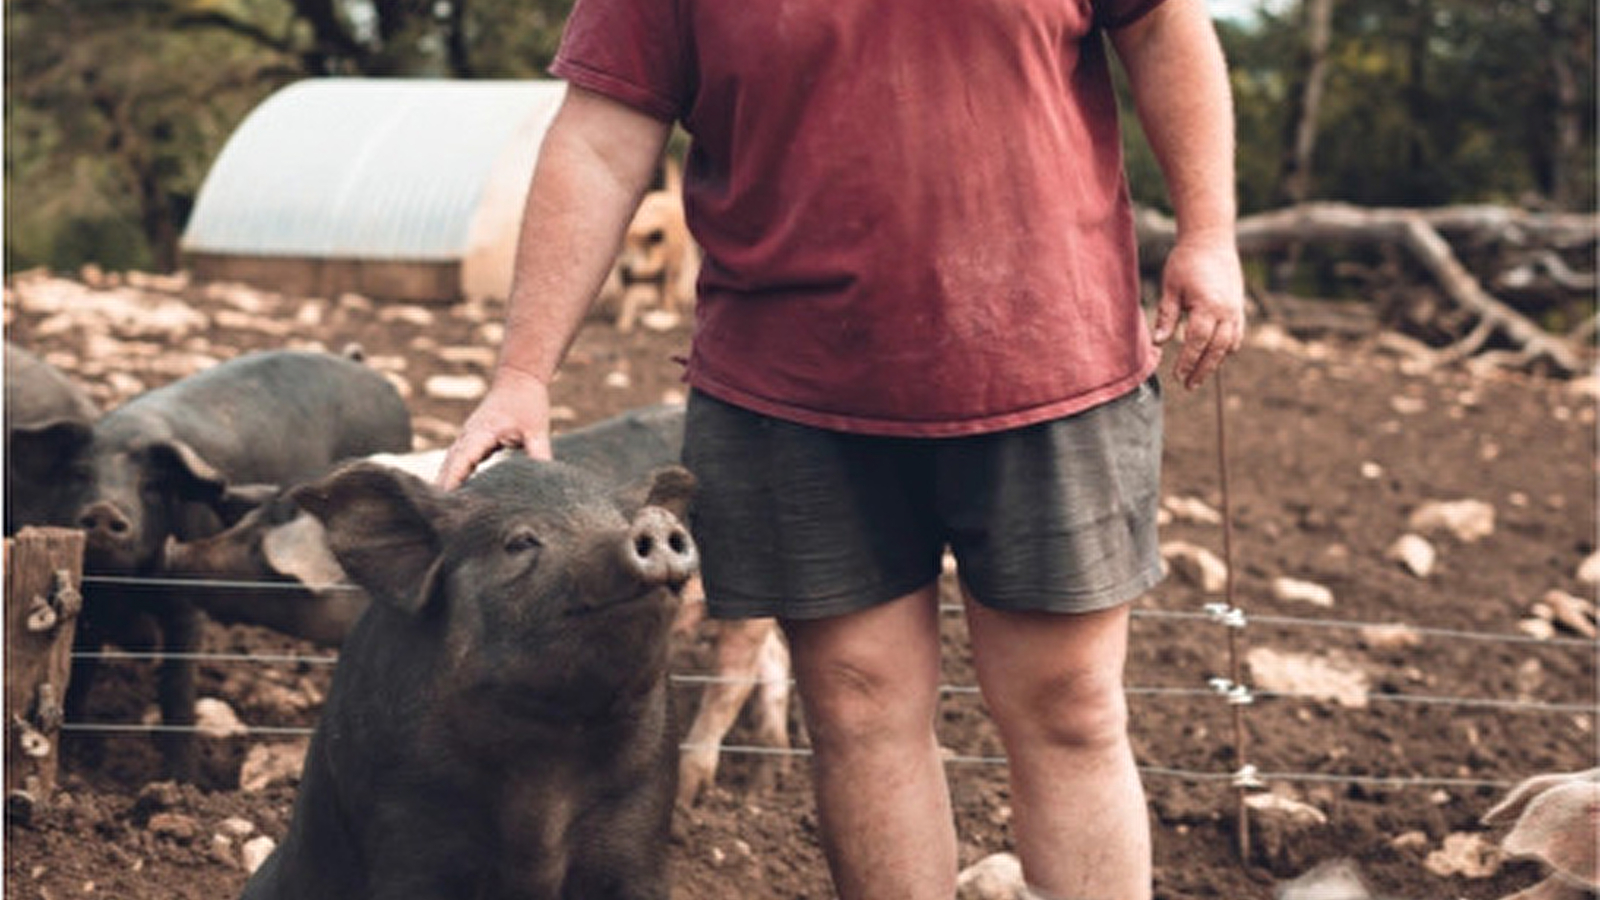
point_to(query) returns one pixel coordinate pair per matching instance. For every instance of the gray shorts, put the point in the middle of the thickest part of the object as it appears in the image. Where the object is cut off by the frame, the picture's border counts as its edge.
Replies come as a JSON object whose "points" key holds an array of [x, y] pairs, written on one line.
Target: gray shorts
{"points": [[800, 522]]}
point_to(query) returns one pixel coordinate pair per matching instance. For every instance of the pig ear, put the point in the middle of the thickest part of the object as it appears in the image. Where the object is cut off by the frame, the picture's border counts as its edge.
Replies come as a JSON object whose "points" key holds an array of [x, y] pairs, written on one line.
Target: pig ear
{"points": [[238, 501], [299, 548], [382, 527], [194, 478], [38, 450], [1524, 793], [672, 488], [199, 481]]}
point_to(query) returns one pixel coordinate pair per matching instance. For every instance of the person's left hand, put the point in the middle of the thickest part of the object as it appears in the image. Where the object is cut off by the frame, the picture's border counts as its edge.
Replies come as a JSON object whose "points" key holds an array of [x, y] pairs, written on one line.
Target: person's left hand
{"points": [[1203, 286]]}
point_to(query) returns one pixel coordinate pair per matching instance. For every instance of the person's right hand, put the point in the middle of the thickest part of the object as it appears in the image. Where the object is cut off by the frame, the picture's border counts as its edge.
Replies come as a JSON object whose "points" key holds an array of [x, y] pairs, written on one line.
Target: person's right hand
{"points": [[514, 413]]}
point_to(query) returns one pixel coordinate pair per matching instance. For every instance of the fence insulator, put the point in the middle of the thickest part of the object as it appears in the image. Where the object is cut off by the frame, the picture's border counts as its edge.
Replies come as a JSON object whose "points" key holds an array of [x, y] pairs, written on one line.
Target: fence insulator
{"points": [[30, 740], [1237, 694], [42, 615], [1226, 614], [1248, 778]]}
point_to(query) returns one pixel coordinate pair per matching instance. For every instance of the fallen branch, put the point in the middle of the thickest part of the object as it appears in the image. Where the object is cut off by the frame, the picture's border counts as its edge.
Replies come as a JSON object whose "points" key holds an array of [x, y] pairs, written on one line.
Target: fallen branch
{"points": [[1586, 331], [1549, 264], [1518, 227], [1416, 232]]}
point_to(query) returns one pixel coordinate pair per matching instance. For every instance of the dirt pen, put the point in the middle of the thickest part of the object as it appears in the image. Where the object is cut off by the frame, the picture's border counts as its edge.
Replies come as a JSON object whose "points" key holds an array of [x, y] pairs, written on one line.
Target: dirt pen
{"points": [[1384, 714], [1230, 627]]}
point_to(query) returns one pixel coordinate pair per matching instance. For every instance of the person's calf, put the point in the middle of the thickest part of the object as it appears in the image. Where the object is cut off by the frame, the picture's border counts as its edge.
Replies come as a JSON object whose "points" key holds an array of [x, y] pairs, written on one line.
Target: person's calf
{"points": [[886, 822], [868, 683], [1054, 688]]}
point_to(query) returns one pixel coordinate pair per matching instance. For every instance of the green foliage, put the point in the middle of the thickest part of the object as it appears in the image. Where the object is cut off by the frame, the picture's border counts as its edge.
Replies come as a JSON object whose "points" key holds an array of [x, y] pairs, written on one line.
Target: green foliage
{"points": [[116, 108], [515, 38], [1428, 102], [1265, 75], [112, 119]]}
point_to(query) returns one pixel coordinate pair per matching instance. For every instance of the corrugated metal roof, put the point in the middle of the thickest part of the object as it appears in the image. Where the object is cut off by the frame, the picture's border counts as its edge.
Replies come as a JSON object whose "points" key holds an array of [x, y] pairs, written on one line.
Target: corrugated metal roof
{"points": [[389, 169]]}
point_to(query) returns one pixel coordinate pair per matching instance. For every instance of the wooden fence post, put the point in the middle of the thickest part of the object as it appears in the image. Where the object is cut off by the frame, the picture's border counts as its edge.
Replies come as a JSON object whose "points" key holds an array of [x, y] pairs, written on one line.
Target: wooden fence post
{"points": [[44, 578]]}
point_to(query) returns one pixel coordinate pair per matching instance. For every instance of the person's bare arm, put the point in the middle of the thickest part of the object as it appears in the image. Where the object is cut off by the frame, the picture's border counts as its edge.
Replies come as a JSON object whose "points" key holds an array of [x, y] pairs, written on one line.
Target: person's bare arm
{"points": [[598, 159], [1180, 88]]}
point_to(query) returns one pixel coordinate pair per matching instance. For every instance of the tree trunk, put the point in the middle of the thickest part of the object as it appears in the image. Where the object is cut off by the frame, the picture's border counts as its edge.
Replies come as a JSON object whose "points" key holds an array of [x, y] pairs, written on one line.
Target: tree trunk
{"points": [[1568, 112], [1298, 175], [334, 49], [159, 220], [1415, 90], [458, 47], [128, 145], [1297, 180]]}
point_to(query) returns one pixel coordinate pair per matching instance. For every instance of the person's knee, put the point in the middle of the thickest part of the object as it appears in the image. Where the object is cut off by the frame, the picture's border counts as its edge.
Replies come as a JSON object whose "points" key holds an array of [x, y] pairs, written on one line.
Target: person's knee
{"points": [[1077, 709], [850, 703], [869, 677]]}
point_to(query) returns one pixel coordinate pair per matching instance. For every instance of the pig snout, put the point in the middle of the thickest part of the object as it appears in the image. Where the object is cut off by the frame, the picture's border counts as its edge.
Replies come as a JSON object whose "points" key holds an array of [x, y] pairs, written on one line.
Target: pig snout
{"points": [[113, 539], [106, 524], [659, 549]]}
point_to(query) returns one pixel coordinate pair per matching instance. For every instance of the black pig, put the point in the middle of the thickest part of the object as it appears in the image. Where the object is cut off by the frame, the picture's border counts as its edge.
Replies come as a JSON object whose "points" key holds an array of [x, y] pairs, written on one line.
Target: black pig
{"points": [[498, 725], [36, 393], [170, 461], [279, 542], [181, 461]]}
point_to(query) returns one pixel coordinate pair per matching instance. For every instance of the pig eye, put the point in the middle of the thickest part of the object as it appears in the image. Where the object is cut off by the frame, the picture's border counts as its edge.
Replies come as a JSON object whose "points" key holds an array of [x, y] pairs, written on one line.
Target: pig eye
{"points": [[522, 541]]}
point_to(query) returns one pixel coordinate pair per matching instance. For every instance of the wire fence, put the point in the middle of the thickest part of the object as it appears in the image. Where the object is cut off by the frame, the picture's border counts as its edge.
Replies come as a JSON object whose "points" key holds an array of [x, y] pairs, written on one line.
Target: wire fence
{"points": [[955, 759], [1280, 621], [689, 678], [1219, 615]]}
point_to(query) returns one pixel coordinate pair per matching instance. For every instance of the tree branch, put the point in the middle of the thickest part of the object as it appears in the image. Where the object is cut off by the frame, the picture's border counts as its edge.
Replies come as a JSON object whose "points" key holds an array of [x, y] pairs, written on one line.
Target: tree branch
{"points": [[248, 30]]}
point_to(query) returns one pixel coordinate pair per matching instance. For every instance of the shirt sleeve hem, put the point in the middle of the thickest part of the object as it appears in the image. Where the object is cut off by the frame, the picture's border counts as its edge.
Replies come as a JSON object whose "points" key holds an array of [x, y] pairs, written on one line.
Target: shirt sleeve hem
{"points": [[652, 103], [1139, 11], [924, 428]]}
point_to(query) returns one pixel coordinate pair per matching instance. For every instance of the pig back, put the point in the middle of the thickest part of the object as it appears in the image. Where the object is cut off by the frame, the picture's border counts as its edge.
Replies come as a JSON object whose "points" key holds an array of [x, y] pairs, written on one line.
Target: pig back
{"points": [[625, 448], [37, 392], [275, 417]]}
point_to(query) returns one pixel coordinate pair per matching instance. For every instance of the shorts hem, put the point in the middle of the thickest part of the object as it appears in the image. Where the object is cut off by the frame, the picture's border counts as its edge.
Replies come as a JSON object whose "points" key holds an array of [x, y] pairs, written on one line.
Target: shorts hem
{"points": [[1092, 601], [745, 607]]}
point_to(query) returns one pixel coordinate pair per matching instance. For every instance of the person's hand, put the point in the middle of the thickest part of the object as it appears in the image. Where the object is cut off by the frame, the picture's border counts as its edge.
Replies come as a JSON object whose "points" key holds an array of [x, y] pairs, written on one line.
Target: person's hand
{"points": [[1203, 285], [514, 413]]}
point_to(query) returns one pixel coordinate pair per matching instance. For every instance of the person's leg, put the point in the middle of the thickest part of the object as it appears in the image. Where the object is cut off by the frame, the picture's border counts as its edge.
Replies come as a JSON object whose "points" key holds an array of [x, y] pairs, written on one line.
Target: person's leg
{"points": [[834, 535], [1054, 530], [869, 683], [1053, 685]]}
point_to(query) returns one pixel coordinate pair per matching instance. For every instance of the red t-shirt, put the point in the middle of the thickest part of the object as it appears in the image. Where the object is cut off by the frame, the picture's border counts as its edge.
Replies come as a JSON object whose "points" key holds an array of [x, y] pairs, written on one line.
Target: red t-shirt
{"points": [[913, 213]]}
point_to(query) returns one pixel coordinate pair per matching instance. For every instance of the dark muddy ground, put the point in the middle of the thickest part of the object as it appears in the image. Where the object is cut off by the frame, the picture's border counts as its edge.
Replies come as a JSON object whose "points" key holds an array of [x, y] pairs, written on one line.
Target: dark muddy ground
{"points": [[1332, 447]]}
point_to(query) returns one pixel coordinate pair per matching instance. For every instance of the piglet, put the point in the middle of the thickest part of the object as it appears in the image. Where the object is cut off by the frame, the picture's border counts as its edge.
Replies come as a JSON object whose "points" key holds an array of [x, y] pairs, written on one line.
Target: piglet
{"points": [[1556, 820], [498, 725]]}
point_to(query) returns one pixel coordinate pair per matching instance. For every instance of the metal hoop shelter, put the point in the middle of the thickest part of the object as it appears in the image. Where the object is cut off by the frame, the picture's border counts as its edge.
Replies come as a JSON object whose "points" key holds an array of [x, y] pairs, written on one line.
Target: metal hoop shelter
{"points": [[397, 189]]}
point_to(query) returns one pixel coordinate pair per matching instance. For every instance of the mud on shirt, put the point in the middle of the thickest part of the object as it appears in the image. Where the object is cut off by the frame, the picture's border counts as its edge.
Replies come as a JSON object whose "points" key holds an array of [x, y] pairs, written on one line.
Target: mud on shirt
{"points": [[913, 212]]}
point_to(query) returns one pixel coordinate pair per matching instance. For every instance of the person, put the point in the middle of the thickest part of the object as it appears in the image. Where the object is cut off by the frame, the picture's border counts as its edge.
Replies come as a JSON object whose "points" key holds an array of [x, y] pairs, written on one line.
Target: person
{"points": [[918, 326]]}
